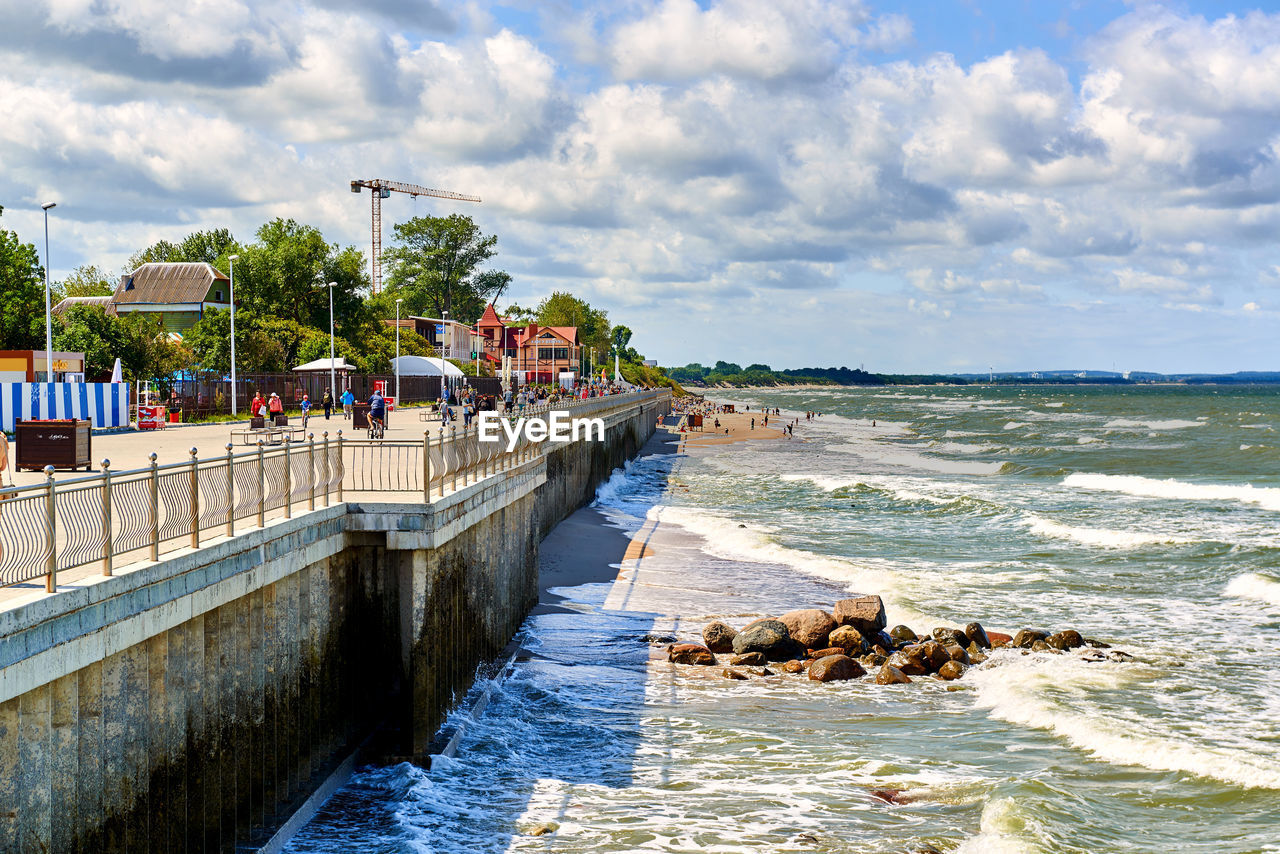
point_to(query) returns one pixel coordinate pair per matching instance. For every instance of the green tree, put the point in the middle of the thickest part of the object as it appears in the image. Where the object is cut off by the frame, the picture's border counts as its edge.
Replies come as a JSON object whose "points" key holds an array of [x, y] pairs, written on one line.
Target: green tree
{"points": [[435, 267], [757, 367], [21, 289], [256, 350], [86, 280], [146, 350], [519, 314], [726, 368], [158, 252], [211, 247], [89, 329], [564, 309]]}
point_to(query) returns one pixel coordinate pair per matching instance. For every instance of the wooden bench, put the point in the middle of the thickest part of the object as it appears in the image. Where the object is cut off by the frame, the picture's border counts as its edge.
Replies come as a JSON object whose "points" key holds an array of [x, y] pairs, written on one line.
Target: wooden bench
{"points": [[269, 435]]}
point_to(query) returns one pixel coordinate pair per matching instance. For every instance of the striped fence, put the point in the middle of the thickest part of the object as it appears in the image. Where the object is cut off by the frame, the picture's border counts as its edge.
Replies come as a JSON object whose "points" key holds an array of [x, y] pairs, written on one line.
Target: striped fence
{"points": [[105, 404]]}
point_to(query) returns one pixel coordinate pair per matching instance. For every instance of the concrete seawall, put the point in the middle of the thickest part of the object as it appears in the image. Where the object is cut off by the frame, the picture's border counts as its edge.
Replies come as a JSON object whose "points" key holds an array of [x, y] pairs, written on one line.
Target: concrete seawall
{"points": [[190, 705]]}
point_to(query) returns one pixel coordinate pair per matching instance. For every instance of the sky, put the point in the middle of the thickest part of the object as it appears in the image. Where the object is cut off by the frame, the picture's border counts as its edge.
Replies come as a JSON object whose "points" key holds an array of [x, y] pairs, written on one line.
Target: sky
{"points": [[909, 187]]}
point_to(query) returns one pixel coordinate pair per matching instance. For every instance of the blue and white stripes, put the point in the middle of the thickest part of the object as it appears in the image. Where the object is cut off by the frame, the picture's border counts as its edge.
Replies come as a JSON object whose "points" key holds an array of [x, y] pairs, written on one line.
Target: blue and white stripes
{"points": [[105, 404]]}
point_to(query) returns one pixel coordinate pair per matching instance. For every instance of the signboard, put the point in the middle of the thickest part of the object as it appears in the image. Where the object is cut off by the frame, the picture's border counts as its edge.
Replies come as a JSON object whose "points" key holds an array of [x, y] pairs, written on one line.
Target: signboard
{"points": [[151, 417], [380, 386]]}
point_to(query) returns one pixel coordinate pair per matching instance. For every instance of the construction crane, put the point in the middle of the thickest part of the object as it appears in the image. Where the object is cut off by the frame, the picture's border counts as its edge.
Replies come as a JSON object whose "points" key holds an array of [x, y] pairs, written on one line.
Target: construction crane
{"points": [[382, 189]]}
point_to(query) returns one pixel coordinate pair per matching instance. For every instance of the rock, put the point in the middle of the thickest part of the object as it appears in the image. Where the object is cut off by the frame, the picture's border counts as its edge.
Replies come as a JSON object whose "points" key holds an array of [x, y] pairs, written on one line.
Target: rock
{"points": [[935, 655], [848, 639], [911, 660], [880, 650], [1040, 646], [977, 657], [809, 626], [902, 635], [1026, 637], [946, 637], [1120, 655], [999, 639], [1068, 639], [1096, 644], [793, 666], [873, 659], [957, 653], [823, 653], [976, 634], [1092, 655], [951, 670], [889, 796], [690, 653], [835, 668], [748, 659], [729, 673], [719, 637], [865, 613], [768, 637], [890, 675], [764, 671], [542, 829], [659, 640]]}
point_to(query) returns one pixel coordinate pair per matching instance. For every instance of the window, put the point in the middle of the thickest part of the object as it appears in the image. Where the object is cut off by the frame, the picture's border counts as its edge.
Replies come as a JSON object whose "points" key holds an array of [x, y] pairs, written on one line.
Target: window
{"points": [[217, 296], [549, 353]]}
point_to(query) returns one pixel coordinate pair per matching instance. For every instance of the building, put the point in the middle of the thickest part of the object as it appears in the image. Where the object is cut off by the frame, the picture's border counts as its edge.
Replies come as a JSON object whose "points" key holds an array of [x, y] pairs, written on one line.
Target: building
{"points": [[30, 366], [451, 339], [542, 353], [180, 293]]}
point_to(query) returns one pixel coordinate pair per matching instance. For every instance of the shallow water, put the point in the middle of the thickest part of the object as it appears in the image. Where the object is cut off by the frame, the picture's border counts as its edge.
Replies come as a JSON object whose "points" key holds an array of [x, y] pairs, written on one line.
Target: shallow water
{"points": [[1141, 516]]}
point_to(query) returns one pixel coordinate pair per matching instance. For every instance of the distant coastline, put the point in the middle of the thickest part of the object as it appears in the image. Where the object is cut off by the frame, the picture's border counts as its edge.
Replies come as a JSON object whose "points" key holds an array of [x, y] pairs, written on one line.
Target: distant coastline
{"points": [[729, 376]]}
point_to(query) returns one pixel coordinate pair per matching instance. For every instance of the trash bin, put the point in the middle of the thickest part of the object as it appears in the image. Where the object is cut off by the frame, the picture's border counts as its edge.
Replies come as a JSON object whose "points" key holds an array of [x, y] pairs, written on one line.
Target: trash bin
{"points": [[359, 416], [175, 416], [282, 420]]}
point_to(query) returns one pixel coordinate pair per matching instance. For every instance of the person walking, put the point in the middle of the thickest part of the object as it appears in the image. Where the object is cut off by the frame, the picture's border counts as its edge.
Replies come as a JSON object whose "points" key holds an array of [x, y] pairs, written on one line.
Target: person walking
{"points": [[327, 403], [257, 406], [276, 407], [507, 399], [348, 401]]}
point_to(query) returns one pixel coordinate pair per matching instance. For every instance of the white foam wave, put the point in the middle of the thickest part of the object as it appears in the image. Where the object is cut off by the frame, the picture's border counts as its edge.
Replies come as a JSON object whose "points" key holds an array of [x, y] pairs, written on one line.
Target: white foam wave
{"points": [[1170, 424], [960, 448], [1022, 689], [1256, 587], [1145, 487], [1014, 425], [1003, 829], [1099, 537], [1087, 440]]}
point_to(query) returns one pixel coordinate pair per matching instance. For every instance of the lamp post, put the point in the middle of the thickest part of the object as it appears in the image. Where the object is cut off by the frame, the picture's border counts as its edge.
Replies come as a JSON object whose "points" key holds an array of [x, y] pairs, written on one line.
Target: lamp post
{"points": [[333, 374], [48, 306], [233, 260], [398, 351]]}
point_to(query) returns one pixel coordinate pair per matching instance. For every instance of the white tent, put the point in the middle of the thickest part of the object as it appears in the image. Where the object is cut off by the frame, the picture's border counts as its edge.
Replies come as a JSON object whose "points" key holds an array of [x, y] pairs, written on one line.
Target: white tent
{"points": [[339, 364], [425, 366]]}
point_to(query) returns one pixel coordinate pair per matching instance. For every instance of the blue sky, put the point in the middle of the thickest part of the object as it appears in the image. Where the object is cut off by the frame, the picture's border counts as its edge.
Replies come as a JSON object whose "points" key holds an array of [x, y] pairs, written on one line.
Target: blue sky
{"points": [[913, 187]]}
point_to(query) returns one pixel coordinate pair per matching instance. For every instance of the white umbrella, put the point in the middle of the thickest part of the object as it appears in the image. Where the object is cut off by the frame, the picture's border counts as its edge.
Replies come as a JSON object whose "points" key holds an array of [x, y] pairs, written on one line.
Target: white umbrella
{"points": [[116, 376]]}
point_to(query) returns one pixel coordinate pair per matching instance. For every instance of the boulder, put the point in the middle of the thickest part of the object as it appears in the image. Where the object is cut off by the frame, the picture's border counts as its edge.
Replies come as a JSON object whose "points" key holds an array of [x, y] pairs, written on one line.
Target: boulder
{"points": [[902, 635], [749, 659], [729, 673], [976, 634], [999, 639], [1026, 637], [1096, 644], [809, 626], [1068, 639], [911, 660], [659, 640], [946, 636], [848, 639], [957, 653], [1040, 646], [873, 659], [771, 638], [865, 613], [977, 657], [890, 675], [951, 670], [835, 668], [1120, 655], [795, 665], [719, 637], [935, 655], [690, 653], [880, 650], [823, 653]]}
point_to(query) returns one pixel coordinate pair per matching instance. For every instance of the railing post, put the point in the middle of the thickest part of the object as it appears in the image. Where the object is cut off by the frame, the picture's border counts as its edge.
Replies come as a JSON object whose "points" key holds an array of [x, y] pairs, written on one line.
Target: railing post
{"points": [[288, 481], [341, 470], [311, 468], [324, 459], [231, 492], [426, 466], [195, 500], [453, 442], [50, 533], [155, 509], [108, 536], [262, 486], [466, 451]]}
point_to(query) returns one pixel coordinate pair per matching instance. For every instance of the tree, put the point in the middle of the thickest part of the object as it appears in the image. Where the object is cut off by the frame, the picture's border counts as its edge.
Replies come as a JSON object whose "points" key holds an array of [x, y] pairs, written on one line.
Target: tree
{"points": [[619, 338], [759, 368], [86, 280], [158, 252], [435, 267], [207, 246], [21, 289], [256, 350], [564, 309], [146, 350], [726, 368], [89, 329], [519, 314]]}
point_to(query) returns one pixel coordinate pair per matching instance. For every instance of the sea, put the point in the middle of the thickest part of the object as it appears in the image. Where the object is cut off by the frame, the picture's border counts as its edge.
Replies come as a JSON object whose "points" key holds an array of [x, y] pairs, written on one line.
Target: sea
{"points": [[1143, 516]]}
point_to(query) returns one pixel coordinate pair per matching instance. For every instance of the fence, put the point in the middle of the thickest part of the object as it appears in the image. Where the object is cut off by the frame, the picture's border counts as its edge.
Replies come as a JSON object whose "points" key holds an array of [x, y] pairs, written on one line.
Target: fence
{"points": [[105, 404], [53, 527]]}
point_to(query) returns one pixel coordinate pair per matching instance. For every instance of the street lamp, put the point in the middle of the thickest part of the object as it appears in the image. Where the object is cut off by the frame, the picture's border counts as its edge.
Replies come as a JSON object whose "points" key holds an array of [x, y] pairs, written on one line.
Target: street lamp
{"points": [[233, 260], [398, 351], [333, 374], [48, 307]]}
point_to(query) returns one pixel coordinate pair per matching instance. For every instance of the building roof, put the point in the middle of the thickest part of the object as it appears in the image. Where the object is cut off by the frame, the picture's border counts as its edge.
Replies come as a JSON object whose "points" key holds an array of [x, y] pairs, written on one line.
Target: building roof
{"points": [[339, 364], [167, 283], [67, 302], [425, 366], [490, 317]]}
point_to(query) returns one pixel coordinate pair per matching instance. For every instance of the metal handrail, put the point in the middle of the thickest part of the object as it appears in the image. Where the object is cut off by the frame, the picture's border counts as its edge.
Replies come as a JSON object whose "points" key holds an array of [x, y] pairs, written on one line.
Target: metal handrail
{"points": [[60, 525]]}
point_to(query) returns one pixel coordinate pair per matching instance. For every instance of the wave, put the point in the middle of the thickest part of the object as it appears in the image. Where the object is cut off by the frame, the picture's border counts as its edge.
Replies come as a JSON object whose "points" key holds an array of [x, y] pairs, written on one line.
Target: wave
{"points": [[1171, 424], [1256, 587], [1021, 690], [1003, 829], [1087, 440], [1014, 425], [1099, 537], [1145, 487]]}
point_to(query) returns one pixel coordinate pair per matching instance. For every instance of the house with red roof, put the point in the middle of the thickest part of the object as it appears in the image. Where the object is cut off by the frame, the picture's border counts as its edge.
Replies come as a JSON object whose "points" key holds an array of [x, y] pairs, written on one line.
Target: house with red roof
{"points": [[542, 352]]}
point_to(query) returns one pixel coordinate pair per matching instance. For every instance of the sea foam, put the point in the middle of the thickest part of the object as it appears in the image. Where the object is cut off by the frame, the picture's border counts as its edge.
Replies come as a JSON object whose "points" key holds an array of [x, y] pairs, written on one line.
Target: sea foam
{"points": [[1100, 537], [1145, 487], [1256, 587]]}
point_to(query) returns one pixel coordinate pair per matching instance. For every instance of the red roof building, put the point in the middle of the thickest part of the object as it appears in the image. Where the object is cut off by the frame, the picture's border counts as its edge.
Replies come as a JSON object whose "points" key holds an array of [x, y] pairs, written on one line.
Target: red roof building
{"points": [[543, 352]]}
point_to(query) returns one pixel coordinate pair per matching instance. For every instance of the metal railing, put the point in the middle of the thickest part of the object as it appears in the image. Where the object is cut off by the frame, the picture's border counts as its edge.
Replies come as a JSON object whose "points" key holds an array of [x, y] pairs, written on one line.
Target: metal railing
{"points": [[143, 513]]}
